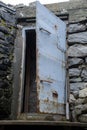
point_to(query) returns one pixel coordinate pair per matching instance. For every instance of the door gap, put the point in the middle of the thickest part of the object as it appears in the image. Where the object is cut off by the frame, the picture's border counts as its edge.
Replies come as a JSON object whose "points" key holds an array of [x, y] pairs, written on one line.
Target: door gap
{"points": [[30, 92]]}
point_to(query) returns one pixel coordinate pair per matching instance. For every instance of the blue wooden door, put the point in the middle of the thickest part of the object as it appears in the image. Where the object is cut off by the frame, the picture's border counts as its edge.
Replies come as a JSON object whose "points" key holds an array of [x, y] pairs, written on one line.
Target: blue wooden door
{"points": [[50, 52]]}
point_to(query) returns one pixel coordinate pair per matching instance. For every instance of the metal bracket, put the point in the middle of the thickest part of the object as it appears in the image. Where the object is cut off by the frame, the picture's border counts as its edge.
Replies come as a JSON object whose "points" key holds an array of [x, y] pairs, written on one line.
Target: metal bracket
{"points": [[42, 29]]}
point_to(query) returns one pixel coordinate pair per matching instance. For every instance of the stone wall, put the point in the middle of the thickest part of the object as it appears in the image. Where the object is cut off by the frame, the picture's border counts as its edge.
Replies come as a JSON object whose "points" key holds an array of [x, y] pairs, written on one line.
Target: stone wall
{"points": [[77, 61], [77, 9], [7, 36]]}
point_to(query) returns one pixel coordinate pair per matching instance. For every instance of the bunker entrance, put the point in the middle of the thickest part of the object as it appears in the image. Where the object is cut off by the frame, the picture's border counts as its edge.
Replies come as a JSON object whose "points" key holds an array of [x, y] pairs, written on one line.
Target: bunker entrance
{"points": [[43, 80], [30, 94]]}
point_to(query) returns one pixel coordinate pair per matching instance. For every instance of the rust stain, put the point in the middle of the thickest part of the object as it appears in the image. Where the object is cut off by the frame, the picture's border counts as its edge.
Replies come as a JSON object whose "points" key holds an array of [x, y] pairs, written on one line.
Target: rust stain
{"points": [[37, 79], [38, 88], [56, 27], [44, 80], [46, 100], [55, 94]]}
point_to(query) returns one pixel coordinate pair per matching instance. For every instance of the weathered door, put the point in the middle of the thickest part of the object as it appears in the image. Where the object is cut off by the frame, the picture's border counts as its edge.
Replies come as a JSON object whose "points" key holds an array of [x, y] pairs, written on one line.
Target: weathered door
{"points": [[51, 71]]}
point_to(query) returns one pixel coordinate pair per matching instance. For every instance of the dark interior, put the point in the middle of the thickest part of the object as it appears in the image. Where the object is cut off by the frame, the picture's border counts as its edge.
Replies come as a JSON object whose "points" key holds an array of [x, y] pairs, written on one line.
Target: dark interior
{"points": [[30, 98]]}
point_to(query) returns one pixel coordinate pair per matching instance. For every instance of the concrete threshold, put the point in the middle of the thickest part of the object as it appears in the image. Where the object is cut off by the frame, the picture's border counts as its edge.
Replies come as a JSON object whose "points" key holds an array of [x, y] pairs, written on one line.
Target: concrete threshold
{"points": [[38, 122]]}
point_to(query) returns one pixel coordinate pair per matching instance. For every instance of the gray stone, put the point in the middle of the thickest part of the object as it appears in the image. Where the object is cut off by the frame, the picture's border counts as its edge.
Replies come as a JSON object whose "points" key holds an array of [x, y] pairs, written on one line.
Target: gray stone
{"points": [[2, 36], [4, 50], [19, 6], [74, 72], [3, 74], [3, 67], [8, 8], [83, 93], [77, 86], [3, 9], [82, 66], [86, 60], [76, 111], [76, 28], [83, 118], [7, 93], [7, 37], [8, 17], [77, 51], [71, 99], [84, 74], [3, 56], [74, 61], [1, 93], [13, 32], [6, 62], [4, 85], [26, 12], [73, 80], [4, 29], [80, 101], [4, 42], [80, 38], [5, 107], [80, 109], [10, 39], [77, 14], [76, 94]]}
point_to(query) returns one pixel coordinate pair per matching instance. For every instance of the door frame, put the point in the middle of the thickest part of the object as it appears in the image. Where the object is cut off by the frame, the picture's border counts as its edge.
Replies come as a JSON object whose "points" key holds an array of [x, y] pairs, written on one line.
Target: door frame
{"points": [[22, 75]]}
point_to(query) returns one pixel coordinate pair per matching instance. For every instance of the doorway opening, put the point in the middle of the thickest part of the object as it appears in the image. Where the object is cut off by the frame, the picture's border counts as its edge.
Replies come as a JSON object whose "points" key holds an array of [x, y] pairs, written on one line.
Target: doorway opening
{"points": [[30, 92]]}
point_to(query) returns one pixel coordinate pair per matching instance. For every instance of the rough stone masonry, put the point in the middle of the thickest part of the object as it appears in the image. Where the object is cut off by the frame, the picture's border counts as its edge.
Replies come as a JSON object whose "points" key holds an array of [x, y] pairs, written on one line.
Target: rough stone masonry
{"points": [[7, 36], [77, 61]]}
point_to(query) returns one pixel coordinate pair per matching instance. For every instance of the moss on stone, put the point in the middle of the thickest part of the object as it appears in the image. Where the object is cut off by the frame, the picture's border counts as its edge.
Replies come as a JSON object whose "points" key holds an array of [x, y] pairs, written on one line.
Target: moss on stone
{"points": [[3, 23]]}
